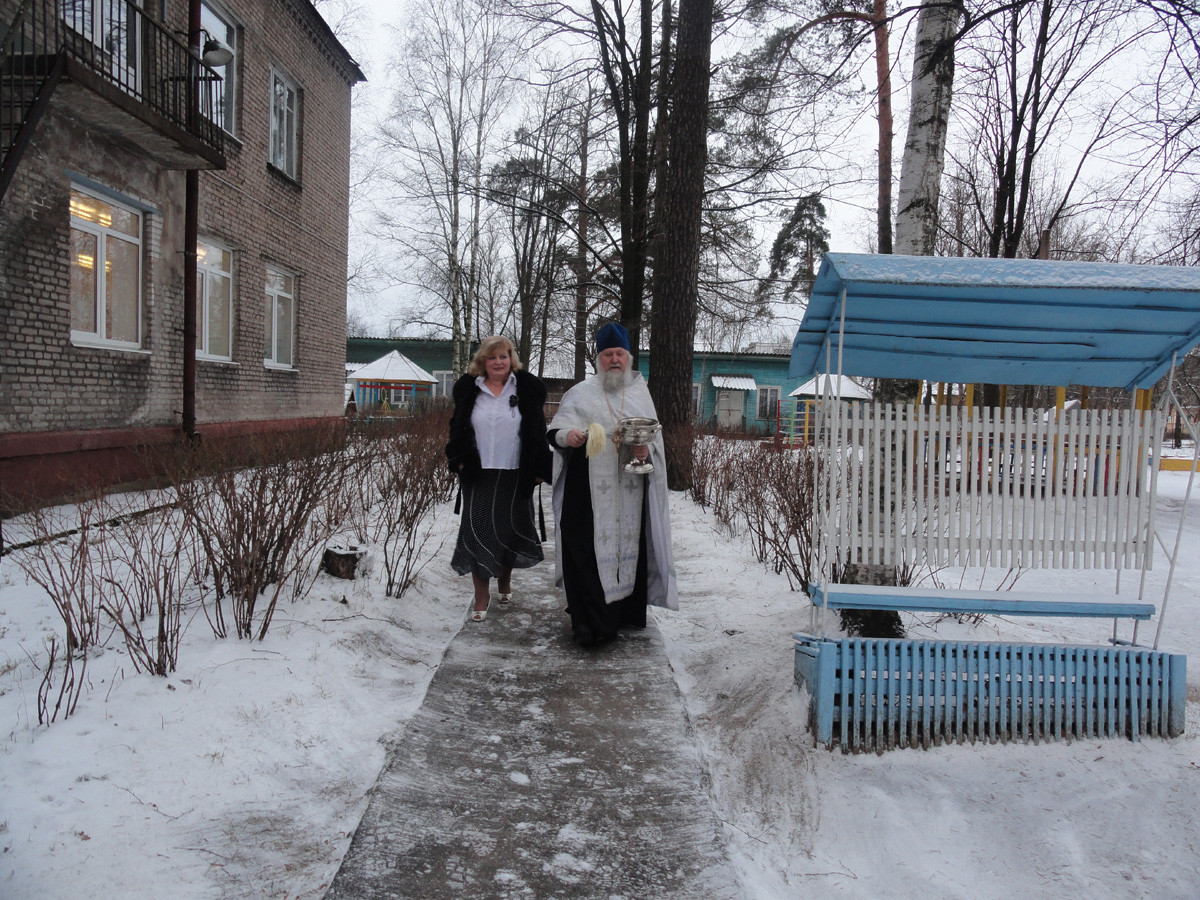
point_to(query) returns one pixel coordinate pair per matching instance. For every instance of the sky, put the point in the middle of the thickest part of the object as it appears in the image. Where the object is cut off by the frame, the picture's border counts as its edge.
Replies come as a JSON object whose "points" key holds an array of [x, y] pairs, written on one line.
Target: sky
{"points": [[244, 773], [370, 38]]}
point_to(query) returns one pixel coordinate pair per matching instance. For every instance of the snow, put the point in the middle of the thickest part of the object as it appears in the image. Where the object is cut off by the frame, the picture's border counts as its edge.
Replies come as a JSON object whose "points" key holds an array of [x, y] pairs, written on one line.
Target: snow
{"points": [[244, 773]]}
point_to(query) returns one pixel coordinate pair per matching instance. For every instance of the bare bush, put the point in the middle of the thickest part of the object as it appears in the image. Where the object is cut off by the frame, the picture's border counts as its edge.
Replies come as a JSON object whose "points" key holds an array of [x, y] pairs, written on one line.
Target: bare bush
{"points": [[70, 685], [720, 461], [775, 496], [63, 557], [261, 518], [406, 478], [144, 569]]}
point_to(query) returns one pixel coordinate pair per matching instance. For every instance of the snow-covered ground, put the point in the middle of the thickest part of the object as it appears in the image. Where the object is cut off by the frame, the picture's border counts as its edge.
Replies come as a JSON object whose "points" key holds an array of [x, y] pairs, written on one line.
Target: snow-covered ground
{"points": [[243, 774]]}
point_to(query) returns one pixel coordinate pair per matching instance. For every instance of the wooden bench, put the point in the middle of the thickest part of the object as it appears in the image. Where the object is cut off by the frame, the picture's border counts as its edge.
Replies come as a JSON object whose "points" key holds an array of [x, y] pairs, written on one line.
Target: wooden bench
{"points": [[871, 597]]}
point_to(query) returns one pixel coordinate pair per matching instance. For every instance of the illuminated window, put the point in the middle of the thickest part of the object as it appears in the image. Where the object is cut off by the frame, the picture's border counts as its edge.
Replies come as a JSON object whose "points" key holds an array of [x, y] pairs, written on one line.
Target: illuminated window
{"points": [[285, 124], [214, 301], [106, 272], [280, 324]]}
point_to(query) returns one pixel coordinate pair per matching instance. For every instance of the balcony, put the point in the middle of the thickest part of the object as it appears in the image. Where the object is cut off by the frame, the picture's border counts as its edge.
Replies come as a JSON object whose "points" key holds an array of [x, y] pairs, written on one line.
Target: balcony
{"points": [[114, 69]]}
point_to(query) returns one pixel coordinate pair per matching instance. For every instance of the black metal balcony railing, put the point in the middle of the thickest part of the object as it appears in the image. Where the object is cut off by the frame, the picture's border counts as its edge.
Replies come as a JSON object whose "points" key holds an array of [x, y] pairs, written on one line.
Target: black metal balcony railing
{"points": [[119, 43]]}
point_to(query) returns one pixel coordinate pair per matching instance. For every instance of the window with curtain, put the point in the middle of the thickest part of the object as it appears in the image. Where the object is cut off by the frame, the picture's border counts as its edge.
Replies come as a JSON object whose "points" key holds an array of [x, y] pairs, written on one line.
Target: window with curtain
{"points": [[285, 122], [768, 401]]}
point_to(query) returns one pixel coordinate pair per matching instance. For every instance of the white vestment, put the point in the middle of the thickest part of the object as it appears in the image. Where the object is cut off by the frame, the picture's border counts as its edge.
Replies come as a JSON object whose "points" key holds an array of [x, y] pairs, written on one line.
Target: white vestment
{"points": [[617, 494]]}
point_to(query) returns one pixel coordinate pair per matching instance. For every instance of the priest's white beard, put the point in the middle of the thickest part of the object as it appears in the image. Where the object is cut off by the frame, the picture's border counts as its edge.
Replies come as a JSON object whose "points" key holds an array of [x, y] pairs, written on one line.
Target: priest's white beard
{"points": [[613, 380]]}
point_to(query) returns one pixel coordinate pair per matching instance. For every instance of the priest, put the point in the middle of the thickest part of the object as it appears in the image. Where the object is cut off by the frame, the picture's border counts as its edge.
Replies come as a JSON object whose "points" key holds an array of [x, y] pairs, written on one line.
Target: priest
{"points": [[613, 534]]}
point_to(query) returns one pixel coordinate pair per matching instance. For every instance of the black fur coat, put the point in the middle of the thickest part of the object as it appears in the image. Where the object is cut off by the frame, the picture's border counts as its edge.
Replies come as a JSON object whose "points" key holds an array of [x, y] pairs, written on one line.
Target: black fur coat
{"points": [[536, 457]]}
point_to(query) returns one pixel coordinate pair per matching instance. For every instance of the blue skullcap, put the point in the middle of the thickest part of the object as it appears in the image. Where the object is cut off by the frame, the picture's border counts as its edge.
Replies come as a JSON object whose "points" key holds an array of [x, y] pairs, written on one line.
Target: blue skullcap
{"points": [[612, 335]]}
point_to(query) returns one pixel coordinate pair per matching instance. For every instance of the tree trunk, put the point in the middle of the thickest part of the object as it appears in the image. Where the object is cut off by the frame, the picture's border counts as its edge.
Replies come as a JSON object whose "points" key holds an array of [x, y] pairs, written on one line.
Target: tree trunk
{"points": [[883, 80], [637, 238], [673, 325], [582, 223], [916, 231], [925, 145]]}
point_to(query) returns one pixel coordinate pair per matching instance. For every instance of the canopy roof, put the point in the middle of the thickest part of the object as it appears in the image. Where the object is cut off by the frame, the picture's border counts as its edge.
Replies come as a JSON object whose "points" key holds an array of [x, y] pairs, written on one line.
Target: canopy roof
{"points": [[734, 382], [394, 368], [839, 386], [999, 321]]}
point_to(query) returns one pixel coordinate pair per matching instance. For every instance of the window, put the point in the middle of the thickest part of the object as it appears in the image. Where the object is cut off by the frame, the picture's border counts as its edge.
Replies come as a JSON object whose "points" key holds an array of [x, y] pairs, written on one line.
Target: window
{"points": [[278, 347], [106, 272], [768, 402], [695, 400], [285, 116], [214, 301], [445, 382], [221, 27], [112, 29]]}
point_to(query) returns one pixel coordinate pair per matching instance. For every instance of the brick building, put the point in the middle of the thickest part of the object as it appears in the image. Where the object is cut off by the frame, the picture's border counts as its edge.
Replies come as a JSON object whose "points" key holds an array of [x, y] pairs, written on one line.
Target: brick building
{"points": [[105, 109]]}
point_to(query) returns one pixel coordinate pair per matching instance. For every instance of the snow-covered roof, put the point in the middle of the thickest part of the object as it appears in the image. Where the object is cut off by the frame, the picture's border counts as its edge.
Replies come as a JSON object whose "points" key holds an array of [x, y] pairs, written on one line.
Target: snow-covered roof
{"points": [[998, 321], [396, 368], [838, 385]]}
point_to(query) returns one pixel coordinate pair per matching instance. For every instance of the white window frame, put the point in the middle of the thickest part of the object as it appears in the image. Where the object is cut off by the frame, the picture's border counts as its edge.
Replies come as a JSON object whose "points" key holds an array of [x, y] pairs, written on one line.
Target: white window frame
{"points": [[220, 25], [103, 235], [768, 395], [697, 397], [445, 382], [208, 274], [274, 297], [283, 152]]}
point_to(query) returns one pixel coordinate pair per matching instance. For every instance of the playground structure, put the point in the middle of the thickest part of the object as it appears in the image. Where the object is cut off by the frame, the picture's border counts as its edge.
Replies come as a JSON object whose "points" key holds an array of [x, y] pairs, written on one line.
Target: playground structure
{"points": [[906, 486], [391, 385]]}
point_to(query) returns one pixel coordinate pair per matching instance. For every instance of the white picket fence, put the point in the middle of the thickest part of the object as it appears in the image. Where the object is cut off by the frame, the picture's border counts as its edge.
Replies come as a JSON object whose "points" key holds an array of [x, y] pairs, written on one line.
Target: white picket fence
{"points": [[989, 487]]}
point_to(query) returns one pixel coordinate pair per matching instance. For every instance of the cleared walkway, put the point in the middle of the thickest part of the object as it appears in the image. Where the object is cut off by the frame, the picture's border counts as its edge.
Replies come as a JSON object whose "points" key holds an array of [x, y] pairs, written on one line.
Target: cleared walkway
{"points": [[535, 769]]}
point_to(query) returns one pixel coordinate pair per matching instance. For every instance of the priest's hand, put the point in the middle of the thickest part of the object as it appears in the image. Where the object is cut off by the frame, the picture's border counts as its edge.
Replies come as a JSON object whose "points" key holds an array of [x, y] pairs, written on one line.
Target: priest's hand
{"points": [[576, 438]]}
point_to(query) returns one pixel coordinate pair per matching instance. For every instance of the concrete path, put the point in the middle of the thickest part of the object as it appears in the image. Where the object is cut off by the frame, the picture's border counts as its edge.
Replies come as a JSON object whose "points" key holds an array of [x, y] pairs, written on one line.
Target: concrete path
{"points": [[535, 769]]}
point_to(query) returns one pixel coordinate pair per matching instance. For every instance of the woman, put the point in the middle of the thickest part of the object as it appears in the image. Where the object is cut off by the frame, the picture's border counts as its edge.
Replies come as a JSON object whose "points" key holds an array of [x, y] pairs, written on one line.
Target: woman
{"points": [[498, 449]]}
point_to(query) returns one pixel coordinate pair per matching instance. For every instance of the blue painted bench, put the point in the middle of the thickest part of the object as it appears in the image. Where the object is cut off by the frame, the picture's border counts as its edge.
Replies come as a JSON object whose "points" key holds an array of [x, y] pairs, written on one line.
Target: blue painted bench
{"points": [[875, 694], [936, 600]]}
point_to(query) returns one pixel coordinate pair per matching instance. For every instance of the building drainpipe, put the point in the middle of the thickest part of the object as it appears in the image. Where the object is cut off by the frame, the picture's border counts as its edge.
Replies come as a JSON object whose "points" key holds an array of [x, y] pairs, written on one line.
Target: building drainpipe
{"points": [[191, 234]]}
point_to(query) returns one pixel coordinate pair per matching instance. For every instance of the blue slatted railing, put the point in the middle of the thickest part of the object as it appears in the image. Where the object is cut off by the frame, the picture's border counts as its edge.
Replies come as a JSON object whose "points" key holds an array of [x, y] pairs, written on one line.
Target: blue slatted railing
{"points": [[878, 694]]}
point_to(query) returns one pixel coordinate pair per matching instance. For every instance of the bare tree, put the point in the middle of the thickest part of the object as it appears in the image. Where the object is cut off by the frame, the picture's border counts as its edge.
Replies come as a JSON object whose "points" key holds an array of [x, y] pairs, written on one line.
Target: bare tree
{"points": [[453, 76], [534, 186], [682, 206], [1042, 87]]}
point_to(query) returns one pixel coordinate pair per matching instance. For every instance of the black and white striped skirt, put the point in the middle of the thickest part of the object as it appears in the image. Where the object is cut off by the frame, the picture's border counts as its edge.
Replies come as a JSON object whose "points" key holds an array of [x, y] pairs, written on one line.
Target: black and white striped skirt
{"points": [[497, 528]]}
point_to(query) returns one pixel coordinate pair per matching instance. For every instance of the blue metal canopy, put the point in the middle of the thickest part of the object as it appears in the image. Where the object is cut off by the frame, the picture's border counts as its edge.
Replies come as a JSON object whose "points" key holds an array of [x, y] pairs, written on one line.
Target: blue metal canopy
{"points": [[998, 321]]}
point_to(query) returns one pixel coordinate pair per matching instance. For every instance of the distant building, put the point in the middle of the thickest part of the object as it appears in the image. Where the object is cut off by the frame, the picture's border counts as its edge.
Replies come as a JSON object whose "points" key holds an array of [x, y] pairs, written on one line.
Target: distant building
{"points": [[740, 391], [104, 111]]}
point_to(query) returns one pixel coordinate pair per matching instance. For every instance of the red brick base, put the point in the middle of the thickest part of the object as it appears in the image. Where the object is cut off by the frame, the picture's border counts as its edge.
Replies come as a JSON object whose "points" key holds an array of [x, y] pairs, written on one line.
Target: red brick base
{"points": [[53, 466]]}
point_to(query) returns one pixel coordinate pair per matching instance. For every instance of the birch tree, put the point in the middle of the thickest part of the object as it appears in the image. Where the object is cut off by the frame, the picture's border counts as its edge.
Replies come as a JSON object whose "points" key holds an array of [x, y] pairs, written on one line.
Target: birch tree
{"points": [[928, 120], [453, 83]]}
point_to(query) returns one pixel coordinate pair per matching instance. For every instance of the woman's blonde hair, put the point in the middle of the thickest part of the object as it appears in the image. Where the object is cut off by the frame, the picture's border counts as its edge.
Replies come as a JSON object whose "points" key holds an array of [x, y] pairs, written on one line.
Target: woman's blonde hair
{"points": [[488, 347]]}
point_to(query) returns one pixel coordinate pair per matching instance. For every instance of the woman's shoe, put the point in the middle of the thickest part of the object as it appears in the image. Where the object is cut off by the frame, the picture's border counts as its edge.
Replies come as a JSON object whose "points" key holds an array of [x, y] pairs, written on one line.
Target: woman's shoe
{"points": [[506, 599], [478, 615]]}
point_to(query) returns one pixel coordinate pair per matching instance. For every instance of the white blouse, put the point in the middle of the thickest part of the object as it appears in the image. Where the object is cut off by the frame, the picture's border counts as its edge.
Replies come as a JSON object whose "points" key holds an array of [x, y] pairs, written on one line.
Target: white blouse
{"points": [[497, 422]]}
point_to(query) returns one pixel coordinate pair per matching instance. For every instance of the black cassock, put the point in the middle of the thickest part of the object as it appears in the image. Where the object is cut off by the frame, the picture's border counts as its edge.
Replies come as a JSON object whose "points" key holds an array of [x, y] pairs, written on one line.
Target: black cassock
{"points": [[592, 620]]}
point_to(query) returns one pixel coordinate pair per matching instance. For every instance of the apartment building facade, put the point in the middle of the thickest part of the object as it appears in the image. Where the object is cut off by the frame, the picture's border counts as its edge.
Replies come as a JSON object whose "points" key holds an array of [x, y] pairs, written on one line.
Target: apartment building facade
{"points": [[132, 136]]}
